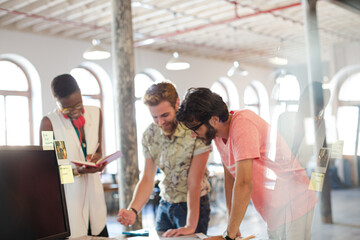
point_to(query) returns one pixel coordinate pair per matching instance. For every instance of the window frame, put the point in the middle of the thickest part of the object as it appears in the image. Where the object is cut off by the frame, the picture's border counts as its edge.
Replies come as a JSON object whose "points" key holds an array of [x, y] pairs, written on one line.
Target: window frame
{"points": [[342, 103], [257, 95], [285, 105], [27, 94]]}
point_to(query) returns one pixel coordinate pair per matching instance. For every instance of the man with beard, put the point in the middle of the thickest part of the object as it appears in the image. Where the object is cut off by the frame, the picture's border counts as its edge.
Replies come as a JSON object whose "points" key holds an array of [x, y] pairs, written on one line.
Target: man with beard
{"points": [[184, 206], [276, 183]]}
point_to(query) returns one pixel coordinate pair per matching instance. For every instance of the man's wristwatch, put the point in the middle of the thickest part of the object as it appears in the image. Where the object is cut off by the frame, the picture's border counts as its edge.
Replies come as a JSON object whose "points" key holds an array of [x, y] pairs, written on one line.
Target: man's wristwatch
{"points": [[225, 236]]}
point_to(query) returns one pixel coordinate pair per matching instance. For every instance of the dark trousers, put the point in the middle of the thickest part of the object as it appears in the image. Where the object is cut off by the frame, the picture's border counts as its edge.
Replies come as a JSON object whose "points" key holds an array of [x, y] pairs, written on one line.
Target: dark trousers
{"points": [[173, 215]]}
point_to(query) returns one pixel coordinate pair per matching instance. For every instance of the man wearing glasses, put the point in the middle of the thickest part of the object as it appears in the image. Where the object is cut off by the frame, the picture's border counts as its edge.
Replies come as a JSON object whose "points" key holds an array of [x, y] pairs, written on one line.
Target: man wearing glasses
{"points": [[184, 205], [80, 127], [275, 181]]}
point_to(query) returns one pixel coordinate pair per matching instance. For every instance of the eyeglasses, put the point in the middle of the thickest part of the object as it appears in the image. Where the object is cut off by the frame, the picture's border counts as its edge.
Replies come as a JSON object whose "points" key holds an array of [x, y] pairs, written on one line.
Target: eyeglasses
{"points": [[70, 109], [194, 128]]}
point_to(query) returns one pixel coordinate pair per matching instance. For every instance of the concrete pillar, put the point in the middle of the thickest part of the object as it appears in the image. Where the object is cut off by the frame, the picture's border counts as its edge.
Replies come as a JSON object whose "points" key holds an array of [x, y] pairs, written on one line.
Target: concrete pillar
{"points": [[123, 65], [314, 66]]}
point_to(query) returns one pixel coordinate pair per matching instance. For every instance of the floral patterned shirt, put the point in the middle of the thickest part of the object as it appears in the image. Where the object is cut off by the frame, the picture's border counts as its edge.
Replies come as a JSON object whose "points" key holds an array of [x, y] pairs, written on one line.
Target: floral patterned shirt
{"points": [[173, 156]]}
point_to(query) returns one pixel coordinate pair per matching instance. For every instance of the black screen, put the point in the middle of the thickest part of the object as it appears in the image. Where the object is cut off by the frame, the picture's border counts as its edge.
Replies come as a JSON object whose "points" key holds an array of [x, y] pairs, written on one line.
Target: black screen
{"points": [[32, 200]]}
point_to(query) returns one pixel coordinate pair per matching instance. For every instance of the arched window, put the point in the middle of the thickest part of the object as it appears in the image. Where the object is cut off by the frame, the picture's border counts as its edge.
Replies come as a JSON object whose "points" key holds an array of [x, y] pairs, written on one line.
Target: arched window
{"points": [[220, 89], [143, 81], [251, 99], [256, 99], [286, 93], [17, 119], [89, 85], [227, 90], [348, 114], [97, 90]]}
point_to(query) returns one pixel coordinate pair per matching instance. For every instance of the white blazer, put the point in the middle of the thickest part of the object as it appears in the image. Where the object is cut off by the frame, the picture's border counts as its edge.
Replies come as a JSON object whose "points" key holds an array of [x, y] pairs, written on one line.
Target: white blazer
{"points": [[85, 197]]}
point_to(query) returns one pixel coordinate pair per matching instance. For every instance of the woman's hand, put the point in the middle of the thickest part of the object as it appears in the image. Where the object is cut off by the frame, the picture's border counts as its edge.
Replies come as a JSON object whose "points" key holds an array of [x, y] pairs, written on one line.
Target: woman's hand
{"points": [[93, 157], [87, 169]]}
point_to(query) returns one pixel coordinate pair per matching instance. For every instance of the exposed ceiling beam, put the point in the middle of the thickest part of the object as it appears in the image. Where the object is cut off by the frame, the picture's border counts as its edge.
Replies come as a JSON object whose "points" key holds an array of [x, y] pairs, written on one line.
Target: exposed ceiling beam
{"points": [[352, 5], [36, 9], [167, 35]]}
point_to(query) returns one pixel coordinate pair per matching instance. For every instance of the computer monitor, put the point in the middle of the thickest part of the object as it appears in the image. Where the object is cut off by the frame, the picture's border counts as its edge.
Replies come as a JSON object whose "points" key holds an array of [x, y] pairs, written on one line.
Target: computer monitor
{"points": [[32, 200]]}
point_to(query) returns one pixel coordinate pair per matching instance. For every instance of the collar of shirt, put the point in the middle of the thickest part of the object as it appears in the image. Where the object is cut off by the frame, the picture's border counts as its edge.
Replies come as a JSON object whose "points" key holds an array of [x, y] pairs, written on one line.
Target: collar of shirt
{"points": [[180, 131]]}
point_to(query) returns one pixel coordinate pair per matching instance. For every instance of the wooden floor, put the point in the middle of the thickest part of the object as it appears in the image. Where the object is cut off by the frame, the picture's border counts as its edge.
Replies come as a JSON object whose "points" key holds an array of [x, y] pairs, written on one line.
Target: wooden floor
{"points": [[345, 213]]}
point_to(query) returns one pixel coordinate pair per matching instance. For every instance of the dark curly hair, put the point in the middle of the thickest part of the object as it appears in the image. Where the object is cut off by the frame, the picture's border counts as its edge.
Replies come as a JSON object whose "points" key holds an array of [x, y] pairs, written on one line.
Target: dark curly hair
{"points": [[64, 85], [200, 104]]}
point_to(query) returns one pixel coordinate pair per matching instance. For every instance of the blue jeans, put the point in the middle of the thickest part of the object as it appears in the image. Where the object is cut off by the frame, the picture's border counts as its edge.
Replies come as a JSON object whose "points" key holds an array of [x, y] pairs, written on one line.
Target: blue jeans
{"points": [[173, 215]]}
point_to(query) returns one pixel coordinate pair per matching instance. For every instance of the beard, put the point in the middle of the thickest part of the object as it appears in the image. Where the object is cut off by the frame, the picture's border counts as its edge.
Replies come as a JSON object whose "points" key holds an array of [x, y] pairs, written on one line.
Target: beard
{"points": [[209, 135], [169, 130]]}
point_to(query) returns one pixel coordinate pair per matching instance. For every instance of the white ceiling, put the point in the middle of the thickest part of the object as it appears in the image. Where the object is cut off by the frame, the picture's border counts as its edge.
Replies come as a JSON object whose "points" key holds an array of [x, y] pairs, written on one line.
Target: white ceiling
{"points": [[249, 31]]}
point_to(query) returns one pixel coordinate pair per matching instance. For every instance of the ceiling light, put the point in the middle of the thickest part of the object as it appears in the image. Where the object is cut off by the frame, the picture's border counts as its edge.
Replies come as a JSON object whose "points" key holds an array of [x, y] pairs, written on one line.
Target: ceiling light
{"points": [[147, 41], [141, 4], [175, 63], [237, 70], [96, 52], [278, 61]]}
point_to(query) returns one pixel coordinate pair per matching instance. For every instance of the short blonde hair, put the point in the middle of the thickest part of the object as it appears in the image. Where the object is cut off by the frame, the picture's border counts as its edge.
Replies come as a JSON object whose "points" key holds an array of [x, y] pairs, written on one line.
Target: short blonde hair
{"points": [[159, 92]]}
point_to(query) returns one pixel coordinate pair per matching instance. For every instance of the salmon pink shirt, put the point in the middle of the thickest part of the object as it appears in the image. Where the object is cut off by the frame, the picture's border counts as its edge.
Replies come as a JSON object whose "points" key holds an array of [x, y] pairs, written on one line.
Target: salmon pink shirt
{"points": [[280, 185]]}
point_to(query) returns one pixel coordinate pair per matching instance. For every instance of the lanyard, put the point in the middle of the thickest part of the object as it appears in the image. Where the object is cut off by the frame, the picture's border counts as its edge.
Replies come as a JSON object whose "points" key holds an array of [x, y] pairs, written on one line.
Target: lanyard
{"points": [[82, 144]]}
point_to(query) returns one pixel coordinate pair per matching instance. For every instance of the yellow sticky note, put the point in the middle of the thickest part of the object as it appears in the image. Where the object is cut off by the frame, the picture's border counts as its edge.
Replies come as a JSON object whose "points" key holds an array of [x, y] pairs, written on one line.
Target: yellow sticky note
{"points": [[47, 140], [316, 181], [66, 174]]}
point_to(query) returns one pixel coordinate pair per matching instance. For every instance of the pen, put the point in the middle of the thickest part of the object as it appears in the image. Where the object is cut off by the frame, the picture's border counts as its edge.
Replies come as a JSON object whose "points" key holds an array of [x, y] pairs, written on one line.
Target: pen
{"points": [[97, 146]]}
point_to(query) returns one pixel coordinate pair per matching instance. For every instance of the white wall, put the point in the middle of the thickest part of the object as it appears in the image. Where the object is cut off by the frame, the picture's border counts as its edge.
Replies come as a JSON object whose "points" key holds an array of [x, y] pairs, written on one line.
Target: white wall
{"points": [[52, 56], [202, 73]]}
